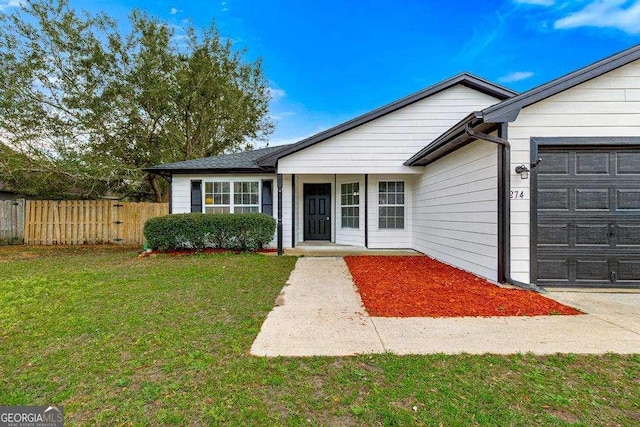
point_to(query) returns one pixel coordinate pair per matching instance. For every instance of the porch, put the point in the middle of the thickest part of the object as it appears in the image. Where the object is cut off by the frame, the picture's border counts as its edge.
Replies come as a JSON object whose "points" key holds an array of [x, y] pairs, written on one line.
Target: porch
{"points": [[345, 213]]}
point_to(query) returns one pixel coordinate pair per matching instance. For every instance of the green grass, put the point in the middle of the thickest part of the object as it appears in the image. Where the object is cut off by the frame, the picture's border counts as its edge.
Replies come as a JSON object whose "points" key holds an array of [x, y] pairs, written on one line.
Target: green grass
{"points": [[165, 340]]}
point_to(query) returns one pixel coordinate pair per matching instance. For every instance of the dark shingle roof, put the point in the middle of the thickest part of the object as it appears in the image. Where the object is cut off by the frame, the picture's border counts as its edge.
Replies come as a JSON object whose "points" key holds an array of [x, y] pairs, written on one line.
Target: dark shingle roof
{"points": [[234, 162]]}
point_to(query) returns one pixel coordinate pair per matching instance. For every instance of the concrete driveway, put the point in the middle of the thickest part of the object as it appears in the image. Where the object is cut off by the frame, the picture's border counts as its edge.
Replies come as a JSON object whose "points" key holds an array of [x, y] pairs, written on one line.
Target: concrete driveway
{"points": [[319, 313]]}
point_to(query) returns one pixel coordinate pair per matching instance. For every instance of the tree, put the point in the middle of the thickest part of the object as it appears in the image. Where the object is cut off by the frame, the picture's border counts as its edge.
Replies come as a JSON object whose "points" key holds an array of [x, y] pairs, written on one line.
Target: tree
{"points": [[86, 107]]}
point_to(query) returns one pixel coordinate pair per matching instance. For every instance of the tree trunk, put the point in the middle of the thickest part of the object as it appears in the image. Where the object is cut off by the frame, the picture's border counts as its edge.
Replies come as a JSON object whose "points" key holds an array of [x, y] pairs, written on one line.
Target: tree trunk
{"points": [[156, 189]]}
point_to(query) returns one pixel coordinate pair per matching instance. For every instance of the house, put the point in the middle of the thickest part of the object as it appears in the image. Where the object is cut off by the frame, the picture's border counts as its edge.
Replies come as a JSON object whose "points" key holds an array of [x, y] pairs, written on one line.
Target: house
{"points": [[537, 188]]}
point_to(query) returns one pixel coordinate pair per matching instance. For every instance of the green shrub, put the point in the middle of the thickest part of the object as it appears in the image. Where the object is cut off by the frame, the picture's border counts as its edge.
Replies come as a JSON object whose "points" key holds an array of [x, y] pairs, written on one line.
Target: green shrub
{"points": [[199, 231]]}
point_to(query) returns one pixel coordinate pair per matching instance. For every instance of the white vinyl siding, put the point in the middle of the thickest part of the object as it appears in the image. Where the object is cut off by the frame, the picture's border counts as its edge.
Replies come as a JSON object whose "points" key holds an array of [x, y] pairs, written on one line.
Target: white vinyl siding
{"points": [[383, 145], [455, 209], [608, 105]]}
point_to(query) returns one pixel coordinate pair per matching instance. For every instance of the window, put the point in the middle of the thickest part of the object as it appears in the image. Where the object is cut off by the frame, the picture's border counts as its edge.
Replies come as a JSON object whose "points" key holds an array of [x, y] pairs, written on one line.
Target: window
{"points": [[217, 197], [350, 202], [231, 197], [391, 204], [245, 197]]}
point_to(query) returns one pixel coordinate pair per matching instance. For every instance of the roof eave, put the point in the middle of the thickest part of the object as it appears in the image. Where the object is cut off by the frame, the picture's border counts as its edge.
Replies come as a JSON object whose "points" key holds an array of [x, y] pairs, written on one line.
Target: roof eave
{"points": [[226, 171]]}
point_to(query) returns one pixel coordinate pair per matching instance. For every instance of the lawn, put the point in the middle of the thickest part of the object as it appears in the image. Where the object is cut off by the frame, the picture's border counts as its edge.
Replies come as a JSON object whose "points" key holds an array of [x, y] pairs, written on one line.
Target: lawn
{"points": [[165, 340]]}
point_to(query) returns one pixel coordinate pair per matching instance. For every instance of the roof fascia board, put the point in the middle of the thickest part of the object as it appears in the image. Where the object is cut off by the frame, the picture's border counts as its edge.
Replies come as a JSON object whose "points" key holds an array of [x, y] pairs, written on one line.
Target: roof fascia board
{"points": [[227, 171], [464, 79], [508, 110]]}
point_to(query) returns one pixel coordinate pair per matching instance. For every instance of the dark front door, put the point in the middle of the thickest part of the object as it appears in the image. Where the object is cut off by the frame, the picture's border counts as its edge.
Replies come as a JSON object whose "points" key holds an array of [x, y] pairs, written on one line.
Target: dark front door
{"points": [[588, 217], [317, 211]]}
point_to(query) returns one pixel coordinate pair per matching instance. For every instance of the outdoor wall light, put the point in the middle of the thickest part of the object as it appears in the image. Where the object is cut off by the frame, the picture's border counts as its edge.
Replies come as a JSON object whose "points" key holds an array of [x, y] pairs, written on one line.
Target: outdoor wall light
{"points": [[523, 171]]}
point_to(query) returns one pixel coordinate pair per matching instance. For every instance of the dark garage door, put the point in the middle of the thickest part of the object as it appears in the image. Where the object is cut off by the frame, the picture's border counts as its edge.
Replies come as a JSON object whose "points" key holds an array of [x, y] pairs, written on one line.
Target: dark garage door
{"points": [[588, 217]]}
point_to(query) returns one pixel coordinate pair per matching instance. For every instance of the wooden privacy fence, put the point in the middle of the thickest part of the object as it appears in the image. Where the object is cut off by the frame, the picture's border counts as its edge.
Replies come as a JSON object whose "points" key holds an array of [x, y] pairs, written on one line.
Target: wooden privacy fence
{"points": [[77, 222], [11, 221]]}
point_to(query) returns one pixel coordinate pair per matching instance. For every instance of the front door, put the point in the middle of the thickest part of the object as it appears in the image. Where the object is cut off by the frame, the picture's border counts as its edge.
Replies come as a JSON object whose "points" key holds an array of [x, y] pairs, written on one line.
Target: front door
{"points": [[317, 211]]}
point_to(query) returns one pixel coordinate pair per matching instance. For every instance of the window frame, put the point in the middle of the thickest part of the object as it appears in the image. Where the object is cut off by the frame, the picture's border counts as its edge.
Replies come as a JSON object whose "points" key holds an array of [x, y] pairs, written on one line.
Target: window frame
{"points": [[394, 205], [232, 206], [355, 206], [248, 194]]}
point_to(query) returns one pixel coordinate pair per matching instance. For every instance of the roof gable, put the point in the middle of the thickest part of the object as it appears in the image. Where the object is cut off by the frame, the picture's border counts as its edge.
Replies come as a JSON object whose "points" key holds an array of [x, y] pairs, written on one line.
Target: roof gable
{"points": [[464, 79], [507, 110]]}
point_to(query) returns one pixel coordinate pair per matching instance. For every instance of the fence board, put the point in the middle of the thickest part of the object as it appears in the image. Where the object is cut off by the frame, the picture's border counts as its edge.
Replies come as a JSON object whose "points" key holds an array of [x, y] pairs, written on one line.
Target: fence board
{"points": [[77, 222], [11, 221]]}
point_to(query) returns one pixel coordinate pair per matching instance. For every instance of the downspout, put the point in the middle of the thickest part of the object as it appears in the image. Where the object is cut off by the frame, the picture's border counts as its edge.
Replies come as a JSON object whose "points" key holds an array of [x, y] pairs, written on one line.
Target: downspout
{"points": [[503, 142]]}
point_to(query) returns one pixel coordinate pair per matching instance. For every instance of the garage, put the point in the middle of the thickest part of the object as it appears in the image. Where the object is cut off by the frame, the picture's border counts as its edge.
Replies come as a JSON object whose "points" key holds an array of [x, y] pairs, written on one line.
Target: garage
{"points": [[585, 208]]}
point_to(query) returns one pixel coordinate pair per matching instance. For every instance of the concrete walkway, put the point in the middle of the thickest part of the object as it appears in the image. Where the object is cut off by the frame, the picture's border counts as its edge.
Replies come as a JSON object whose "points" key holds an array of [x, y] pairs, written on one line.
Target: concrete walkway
{"points": [[320, 313]]}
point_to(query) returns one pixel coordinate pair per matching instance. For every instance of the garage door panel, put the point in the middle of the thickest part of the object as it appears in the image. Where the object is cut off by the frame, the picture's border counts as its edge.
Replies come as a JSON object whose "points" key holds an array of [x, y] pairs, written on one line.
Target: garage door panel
{"points": [[592, 235], [592, 163], [628, 199], [628, 162], [628, 235], [627, 270], [588, 217], [556, 163], [592, 270], [553, 199], [590, 199], [553, 269], [553, 234]]}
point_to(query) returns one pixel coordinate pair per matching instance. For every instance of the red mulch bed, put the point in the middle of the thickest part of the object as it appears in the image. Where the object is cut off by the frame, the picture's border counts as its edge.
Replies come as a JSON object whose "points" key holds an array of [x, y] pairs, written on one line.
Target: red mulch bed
{"points": [[418, 286]]}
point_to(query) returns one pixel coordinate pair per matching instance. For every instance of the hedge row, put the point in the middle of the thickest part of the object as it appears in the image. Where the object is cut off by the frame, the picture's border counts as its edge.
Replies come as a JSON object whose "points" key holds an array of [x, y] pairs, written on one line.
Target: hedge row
{"points": [[199, 231]]}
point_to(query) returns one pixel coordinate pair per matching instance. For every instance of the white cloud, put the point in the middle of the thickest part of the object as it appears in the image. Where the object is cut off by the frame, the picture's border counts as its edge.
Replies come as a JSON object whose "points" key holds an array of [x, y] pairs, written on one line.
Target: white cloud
{"points": [[516, 76], [5, 4], [224, 6], [174, 11], [277, 94], [537, 2], [623, 15], [283, 141], [281, 115]]}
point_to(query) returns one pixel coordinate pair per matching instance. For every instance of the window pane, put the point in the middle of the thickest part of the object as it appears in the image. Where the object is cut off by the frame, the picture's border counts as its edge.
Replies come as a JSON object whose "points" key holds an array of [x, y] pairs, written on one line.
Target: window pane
{"points": [[391, 204], [246, 198]]}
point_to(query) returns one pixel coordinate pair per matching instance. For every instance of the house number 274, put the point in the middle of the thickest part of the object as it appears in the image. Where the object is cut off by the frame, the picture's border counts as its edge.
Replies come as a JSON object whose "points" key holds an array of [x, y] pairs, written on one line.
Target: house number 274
{"points": [[517, 194]]}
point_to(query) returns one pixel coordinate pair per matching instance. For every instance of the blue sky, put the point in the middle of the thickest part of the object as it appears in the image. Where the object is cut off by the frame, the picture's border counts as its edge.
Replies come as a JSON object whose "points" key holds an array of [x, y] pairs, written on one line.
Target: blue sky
{"points": [[329, 61]]}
